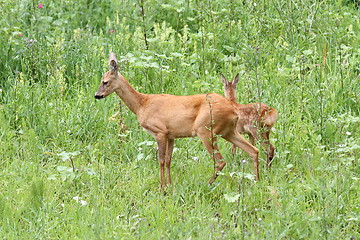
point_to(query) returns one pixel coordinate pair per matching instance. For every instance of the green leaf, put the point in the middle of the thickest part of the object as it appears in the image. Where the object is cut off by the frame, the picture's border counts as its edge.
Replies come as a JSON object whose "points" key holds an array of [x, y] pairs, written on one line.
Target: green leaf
{"points": [[152, 40], [147, 143], [140, 156], [90, 171], [66, 155], [232, 197], [308, 52], [58, 22], [290, 58], [230, 49], [249, 176], [176, 54], [61, 168]]}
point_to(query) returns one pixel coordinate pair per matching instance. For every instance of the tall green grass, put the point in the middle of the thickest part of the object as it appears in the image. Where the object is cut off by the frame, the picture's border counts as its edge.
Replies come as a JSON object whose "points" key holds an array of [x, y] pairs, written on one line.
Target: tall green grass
{"points": [[74, 168]]}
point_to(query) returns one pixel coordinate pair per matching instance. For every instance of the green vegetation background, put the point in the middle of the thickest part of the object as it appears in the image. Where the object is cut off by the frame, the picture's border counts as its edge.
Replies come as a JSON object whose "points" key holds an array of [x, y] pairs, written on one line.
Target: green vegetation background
{"points": [[75, 168]]}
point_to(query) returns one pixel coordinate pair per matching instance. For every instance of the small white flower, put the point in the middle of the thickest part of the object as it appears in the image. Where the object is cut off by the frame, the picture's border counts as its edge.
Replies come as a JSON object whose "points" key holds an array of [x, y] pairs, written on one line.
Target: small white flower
{"points": [[348, 133], [82, 202], [0, 90], [195, 159]]}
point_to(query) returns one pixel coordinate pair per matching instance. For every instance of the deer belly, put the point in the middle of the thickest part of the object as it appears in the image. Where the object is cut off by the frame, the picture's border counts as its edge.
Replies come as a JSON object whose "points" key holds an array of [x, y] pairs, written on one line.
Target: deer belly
{"points": [[170, 130]]}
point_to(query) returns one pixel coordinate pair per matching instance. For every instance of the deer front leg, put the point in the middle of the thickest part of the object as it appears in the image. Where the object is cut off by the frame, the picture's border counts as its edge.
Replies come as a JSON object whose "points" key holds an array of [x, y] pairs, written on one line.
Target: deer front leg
{"points": [[252, 138], [265, 142], [270, 155], [212, 147], [162, 142], [268, 147], [240, 142], [233, 149], [169, 151]]}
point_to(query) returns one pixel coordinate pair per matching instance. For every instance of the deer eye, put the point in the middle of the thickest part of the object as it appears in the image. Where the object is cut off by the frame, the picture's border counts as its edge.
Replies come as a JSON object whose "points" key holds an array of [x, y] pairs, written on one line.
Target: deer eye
{"points": [[105, 83]]}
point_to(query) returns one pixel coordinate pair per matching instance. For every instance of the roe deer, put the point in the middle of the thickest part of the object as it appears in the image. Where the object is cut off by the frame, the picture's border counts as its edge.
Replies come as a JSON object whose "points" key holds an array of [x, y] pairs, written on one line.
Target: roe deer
{"points": [[254, 119], [167, 117]]}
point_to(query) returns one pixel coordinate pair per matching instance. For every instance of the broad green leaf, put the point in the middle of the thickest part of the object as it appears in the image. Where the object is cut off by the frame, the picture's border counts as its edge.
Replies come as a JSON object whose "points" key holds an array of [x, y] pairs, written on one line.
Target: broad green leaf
{"points": [[232, 197], [308, 52]]}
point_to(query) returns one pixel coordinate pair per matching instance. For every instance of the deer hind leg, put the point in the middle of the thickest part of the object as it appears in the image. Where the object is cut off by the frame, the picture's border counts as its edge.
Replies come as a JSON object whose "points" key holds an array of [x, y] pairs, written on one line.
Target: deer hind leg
{"points": [[162, 142], [211, 146], [169, 151], [241, 142]]}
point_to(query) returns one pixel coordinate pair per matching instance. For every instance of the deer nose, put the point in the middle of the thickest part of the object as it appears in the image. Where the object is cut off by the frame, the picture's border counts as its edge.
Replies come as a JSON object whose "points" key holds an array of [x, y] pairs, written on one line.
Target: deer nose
{"points": [[98, 96]]}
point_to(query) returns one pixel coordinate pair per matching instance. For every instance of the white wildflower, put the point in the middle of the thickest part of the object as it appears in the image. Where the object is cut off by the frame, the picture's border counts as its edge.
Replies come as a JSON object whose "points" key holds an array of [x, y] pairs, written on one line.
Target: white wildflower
{"points": [[78, 199], [195, 159]]}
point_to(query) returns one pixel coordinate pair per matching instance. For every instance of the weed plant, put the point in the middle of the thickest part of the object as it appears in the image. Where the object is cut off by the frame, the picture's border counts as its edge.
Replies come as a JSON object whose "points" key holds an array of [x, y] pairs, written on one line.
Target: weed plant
{"points": [[75, 168]]}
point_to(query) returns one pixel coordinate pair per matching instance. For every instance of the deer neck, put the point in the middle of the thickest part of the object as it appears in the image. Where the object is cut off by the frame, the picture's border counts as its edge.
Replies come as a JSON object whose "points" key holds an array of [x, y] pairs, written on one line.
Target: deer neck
{"points": [[132, 98], [233, 98], [230, 94]]}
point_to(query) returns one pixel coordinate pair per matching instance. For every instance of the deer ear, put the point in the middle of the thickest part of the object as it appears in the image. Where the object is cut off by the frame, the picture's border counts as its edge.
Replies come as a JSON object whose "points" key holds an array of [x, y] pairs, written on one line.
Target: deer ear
{"points": [[224, 81], [113, 65], [236, 80], [113, 62]]}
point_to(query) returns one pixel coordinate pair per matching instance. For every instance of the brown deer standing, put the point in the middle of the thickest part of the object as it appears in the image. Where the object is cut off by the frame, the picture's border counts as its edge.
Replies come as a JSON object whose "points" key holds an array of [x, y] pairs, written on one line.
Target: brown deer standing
{"points": [[167, 117], [254, 119]]}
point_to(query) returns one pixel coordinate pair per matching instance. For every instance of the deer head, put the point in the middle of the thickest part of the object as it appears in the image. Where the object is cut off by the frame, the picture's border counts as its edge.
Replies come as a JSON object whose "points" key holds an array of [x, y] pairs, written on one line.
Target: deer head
{"points": [[230, 87], [110, 80]]}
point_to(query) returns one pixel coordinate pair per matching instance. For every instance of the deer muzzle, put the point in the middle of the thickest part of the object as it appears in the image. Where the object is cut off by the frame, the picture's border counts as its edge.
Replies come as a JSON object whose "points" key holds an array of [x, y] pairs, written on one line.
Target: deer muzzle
{"points": [[97, 96]]}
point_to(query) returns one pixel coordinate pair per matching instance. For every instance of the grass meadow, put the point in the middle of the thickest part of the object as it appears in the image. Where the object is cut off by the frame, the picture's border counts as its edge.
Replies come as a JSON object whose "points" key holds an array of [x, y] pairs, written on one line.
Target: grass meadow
{"points": [[72, 167]]}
